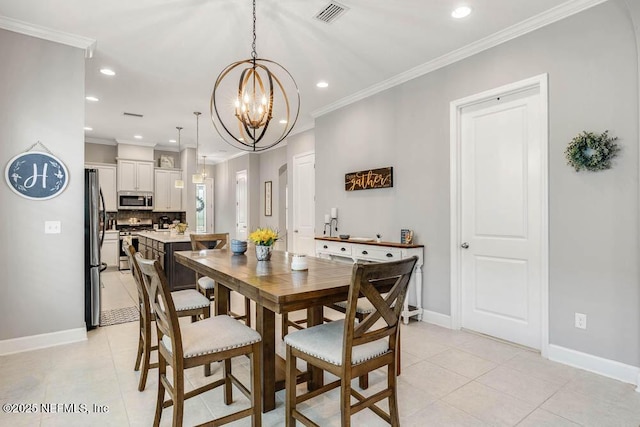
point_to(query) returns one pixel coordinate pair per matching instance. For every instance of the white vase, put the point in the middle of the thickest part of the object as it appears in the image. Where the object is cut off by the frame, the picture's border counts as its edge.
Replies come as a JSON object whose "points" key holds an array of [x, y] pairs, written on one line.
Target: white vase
{"points": [[263, 253]]}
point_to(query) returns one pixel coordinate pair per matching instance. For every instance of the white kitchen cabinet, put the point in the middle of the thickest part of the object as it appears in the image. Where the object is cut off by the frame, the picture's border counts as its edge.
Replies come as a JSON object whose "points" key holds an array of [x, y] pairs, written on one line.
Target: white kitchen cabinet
{"points": [[356, 250], [135, 175], [107, 177], [110, 252], [167, 198]]}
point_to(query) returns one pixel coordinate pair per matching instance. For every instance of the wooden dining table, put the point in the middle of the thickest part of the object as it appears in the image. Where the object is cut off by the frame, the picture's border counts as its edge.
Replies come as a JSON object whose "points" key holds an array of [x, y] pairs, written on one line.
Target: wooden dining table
{"points": [[275, 288]]}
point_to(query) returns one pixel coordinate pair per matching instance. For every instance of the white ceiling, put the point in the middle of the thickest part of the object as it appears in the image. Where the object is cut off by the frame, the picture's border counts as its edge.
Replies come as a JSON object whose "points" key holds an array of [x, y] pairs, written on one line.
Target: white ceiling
{"points": [[168, 53]]}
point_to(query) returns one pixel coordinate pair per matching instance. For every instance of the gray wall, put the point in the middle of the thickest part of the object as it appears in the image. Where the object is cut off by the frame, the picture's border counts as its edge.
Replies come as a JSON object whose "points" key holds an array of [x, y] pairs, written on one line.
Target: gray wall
{"points": [[100, 153], [270, 164], [225, 192], [592, 62], [42, 286]]}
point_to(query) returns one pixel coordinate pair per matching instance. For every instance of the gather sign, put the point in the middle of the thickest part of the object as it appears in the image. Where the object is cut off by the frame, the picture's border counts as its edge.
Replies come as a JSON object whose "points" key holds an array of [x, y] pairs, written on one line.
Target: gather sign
{"points": [[368, 179]]}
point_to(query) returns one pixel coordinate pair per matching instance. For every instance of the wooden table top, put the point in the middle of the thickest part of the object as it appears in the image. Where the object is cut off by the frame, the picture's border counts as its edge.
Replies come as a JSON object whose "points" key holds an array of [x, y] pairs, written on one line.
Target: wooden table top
{"points": [[272, 283]]}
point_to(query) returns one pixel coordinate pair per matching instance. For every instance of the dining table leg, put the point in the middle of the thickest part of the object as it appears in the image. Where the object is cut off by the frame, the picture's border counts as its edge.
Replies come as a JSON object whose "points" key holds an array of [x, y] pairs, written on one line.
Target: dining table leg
{"points": [[266, 327], [315, 316], [221, 299]]}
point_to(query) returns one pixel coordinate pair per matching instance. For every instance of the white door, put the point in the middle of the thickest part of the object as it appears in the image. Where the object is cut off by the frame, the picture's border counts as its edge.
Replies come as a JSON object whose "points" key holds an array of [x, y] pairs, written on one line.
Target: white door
{"points": [[501, 216], [304, 196], [241, 205]]}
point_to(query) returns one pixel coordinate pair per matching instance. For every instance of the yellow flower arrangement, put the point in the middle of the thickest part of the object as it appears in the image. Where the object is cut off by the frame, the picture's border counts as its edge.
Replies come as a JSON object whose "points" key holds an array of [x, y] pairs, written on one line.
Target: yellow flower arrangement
{"points": [[264, 236]]}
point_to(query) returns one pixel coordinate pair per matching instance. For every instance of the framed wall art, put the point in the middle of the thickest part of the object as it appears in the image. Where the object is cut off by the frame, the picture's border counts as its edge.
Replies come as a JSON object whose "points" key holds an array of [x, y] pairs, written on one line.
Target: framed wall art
{"points": [[267, 198]]}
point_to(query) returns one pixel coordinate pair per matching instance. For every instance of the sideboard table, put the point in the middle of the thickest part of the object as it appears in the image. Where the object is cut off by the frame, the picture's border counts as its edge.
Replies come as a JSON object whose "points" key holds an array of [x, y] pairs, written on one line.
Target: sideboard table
{"points": [[369, 250]]}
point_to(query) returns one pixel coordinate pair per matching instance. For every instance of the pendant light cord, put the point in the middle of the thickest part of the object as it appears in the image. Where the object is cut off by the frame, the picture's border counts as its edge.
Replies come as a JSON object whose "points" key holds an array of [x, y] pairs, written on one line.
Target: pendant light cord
{"points": [[179, 151], [254, 55]]}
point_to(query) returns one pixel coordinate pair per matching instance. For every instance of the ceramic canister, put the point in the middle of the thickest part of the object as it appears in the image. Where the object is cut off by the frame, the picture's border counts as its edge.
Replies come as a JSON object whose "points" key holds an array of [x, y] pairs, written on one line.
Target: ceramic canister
{"points": [[299, 262]]}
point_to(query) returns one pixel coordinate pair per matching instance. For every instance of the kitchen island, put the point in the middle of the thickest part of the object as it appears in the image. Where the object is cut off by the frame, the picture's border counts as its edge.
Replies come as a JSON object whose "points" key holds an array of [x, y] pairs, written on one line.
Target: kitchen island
{"points": [[161, 245]]}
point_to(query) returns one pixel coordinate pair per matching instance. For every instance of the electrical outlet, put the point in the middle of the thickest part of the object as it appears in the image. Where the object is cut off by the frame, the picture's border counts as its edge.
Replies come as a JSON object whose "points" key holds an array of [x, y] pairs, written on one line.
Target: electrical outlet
{"points": [[52, 227], [581, 321]]}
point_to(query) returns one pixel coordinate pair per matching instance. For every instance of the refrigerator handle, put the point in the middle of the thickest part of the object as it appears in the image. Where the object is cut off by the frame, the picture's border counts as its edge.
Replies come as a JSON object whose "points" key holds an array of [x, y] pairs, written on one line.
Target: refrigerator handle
{"points": [[104, 219]]}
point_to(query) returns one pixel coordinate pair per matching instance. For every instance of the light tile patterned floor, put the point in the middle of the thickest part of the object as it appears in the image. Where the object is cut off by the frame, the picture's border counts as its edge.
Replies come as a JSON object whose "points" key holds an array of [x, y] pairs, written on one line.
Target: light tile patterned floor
{"points": [[449, 378]]}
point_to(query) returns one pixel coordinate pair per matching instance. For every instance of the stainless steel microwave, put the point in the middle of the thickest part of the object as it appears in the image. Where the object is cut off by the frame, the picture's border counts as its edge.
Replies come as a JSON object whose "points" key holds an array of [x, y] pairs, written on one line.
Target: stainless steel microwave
{"points": [[135, 200]]}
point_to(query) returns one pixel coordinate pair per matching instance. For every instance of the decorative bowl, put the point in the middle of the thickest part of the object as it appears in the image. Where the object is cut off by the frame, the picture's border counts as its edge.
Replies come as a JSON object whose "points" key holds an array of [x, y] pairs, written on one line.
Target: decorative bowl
{"points": [[181, 227], [238, 247], [344, 236]]}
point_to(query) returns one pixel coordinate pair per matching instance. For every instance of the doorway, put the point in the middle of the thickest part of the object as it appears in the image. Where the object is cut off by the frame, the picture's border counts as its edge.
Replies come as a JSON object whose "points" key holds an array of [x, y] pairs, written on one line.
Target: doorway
{"points": [[241, 205], [499, 208]]}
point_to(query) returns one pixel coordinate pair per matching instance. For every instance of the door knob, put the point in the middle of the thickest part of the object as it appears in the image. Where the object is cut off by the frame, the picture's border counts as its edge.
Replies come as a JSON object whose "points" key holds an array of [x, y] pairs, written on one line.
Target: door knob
{"points": [[295, 231], [465, 245]]}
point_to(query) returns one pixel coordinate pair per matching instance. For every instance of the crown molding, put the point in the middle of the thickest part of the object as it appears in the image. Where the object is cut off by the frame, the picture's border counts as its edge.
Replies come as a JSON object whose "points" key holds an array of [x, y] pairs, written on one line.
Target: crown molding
{"points": [[136, 143], [33, 30], [101, 141], [543, 19]]}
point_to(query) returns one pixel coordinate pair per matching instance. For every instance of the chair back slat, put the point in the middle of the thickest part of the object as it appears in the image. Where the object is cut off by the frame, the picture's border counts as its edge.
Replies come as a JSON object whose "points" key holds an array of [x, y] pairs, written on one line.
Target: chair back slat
{"points": [[201, 241], [143, 293], [371, 281], [162, 302]]}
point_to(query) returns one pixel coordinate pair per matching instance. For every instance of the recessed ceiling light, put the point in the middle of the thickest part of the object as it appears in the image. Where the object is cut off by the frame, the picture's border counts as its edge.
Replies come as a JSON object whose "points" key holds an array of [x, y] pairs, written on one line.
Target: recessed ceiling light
{"points": [[461, 12], [283, 122], [322, 84], [92, 99], [88, 128], [172, 140], [137, 136], [107, 72]]}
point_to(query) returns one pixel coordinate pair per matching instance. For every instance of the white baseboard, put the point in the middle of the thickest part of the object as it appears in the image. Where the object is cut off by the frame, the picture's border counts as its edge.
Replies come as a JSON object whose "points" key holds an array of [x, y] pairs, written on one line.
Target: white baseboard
{"points": [[436, 318], [598, 365], [35, 342]]}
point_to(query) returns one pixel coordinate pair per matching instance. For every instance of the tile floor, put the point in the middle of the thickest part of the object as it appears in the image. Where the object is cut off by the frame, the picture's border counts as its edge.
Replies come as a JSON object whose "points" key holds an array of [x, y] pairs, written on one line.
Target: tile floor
{"points": [[449, 378]]}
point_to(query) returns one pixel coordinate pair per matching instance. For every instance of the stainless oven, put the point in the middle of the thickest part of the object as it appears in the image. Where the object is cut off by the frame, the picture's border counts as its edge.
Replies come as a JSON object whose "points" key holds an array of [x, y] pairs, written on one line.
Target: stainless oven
{"points": [[124, 259], [135, 200], [126, 237]]}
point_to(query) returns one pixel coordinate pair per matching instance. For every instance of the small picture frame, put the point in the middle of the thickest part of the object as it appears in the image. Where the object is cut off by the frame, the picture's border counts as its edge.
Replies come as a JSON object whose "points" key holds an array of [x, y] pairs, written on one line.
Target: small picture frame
{"points": [[406, 236], [166, 162], [267, 198]]}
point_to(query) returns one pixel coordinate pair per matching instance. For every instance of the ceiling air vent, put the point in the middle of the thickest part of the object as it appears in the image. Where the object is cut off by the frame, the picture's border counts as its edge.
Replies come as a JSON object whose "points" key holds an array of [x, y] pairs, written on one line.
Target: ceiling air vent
{"points": [[331, 12], [132, 114]]}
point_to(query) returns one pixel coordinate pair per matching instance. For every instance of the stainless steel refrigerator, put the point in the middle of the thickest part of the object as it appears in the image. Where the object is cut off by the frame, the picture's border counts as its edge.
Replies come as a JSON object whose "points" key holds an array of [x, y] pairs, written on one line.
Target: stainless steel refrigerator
{"points": [[94, 217]]}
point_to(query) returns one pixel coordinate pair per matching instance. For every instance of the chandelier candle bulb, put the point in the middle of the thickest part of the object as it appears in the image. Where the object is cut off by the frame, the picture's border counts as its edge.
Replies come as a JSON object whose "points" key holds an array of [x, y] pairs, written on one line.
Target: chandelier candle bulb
{"points": [[327, 219], [334, 213]]}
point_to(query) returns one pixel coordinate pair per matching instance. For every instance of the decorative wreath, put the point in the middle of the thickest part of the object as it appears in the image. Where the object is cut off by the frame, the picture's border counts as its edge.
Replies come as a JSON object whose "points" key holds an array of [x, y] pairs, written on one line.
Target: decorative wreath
{"points": [[591, 151], [199, 204]]}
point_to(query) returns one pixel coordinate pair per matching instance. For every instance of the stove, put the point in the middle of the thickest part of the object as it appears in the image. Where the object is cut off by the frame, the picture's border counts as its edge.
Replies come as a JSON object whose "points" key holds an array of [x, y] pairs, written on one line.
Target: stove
{"points": [[127, 228]]}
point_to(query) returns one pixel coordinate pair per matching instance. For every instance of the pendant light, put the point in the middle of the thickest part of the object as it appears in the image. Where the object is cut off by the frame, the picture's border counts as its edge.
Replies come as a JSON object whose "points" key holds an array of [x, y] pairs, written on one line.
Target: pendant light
{"points": [[204, 165], [179, 183], [197, 178], [247, 95]]}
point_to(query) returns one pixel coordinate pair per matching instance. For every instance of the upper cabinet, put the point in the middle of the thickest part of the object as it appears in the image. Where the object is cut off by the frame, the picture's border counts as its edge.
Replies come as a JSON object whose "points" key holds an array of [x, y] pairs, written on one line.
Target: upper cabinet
{"points": [[134, 175], [107, 179], [167, 198]]}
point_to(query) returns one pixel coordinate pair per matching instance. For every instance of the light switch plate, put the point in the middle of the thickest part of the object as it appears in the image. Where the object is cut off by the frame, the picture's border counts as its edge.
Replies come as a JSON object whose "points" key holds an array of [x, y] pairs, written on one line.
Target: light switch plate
{"points": [[52, 227]]}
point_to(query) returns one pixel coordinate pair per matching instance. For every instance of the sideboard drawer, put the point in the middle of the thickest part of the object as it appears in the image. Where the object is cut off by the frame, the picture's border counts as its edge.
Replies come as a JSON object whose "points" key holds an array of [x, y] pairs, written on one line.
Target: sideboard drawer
{"points": [[373, 253], [333, 248]]}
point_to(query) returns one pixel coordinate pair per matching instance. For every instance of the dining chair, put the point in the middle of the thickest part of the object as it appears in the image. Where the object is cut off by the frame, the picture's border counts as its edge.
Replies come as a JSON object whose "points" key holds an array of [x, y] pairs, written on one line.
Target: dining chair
{"points": [[188, 303], [207, 285], [216, 339], [350, 349], [363, 308]]}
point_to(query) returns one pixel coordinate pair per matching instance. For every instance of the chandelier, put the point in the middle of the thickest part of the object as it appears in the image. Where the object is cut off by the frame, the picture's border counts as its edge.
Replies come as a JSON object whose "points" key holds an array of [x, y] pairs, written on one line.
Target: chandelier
{"points": [[250, 107]]}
